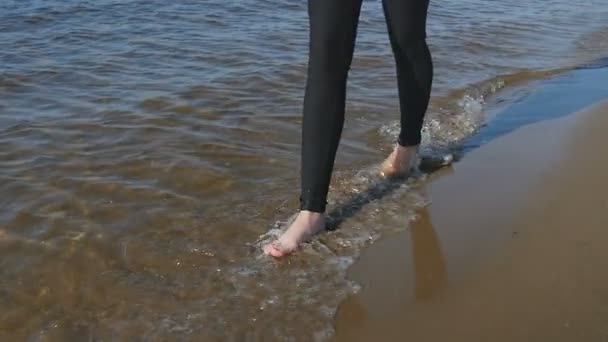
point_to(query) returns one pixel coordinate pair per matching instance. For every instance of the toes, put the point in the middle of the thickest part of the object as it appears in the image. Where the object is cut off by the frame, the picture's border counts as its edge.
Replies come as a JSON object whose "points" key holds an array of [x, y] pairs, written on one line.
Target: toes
{"points": [[275, 250], [388, 172]]}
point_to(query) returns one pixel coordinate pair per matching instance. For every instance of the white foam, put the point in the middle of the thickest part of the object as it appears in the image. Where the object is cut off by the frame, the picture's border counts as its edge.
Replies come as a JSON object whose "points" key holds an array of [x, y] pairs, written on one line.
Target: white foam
{"points": [[445, 127]]}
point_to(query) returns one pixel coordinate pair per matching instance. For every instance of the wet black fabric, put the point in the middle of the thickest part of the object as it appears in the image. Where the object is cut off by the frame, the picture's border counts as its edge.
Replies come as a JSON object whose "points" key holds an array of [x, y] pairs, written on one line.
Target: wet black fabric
{"points": [[333, 28]]}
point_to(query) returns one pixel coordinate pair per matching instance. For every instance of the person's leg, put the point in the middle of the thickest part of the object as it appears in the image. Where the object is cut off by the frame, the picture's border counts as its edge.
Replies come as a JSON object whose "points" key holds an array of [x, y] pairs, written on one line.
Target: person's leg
{"points": [[406, 22], [333, 29]]}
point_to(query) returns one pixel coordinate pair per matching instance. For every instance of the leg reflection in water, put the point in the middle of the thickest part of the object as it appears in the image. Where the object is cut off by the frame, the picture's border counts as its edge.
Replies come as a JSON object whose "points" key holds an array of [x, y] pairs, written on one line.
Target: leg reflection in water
{"points": [[429, 264]]}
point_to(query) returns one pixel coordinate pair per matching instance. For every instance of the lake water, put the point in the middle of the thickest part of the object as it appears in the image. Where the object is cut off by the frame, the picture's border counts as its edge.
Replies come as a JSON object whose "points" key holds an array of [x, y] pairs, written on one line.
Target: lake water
{"points": [[148, 149]]}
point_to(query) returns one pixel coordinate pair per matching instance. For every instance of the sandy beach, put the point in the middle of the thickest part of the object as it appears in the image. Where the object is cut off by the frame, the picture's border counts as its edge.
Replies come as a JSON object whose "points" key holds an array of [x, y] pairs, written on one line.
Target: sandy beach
{"points": [[512, 247]]}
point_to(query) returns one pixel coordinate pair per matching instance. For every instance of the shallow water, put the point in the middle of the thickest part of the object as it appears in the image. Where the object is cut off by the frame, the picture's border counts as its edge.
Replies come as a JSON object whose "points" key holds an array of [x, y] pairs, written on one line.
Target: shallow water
{"points": [[147, 148]]}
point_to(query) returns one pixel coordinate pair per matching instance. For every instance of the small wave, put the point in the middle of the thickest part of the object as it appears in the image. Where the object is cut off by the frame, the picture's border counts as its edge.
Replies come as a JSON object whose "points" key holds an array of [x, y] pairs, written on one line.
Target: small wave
{"points": [[10, 82], [460, 114]]}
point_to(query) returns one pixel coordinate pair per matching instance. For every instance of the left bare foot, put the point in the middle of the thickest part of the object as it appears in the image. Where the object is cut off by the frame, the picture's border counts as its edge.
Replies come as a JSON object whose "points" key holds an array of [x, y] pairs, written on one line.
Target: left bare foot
{"points": [[306, 225], [400, 162]]}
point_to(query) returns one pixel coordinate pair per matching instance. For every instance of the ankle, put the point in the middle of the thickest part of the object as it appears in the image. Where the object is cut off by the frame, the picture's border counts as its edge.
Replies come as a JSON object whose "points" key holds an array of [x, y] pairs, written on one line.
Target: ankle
{"points": [[311, 215], [410, 149]]}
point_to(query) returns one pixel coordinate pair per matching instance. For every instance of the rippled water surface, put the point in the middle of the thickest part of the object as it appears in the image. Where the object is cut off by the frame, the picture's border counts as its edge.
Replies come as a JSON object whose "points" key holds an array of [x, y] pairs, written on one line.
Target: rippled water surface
{"points": [[148, 148]]}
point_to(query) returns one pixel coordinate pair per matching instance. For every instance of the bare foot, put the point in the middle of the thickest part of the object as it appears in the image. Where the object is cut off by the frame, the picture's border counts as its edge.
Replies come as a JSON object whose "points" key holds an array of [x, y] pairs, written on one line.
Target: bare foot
{"points": [[400, 162], [306, 225]]}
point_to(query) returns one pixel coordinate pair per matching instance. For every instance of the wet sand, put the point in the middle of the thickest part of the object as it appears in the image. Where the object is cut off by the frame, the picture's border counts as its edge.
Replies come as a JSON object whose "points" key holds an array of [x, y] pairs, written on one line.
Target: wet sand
{"points": [[512, 247]]}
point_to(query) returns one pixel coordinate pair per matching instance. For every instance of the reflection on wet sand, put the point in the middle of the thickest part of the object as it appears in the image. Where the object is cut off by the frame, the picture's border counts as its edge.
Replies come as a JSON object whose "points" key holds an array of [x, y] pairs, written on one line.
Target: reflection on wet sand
{"points": [[420, 274], [429, 264]]}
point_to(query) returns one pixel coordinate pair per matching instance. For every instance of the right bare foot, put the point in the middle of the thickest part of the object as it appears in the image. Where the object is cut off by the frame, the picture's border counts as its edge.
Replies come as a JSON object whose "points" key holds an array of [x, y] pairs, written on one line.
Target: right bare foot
{"points": [[306, 225], [400, 162]]}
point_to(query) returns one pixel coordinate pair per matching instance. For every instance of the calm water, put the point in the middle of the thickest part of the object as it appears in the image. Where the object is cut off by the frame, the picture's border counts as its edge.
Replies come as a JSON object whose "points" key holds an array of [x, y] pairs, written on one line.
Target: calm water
{"points": [[148, 148]]}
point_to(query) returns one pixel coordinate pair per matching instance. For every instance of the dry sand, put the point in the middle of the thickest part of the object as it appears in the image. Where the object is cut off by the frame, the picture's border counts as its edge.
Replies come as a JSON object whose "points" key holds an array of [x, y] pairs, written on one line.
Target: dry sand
{"points": [[514, 246]]}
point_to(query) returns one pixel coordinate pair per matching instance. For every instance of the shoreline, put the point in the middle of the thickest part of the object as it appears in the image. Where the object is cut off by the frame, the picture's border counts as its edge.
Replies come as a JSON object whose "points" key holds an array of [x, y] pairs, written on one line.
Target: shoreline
{"points": [[510, 249]]}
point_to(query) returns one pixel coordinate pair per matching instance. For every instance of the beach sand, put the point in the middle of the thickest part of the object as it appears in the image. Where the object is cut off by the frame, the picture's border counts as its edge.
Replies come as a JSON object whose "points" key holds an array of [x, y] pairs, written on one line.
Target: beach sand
{"points": [[513, 246]]}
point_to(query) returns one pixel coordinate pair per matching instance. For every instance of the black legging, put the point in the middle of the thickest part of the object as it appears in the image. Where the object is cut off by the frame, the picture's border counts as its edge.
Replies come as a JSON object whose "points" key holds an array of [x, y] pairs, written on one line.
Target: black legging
{"points": [[333, 28]]}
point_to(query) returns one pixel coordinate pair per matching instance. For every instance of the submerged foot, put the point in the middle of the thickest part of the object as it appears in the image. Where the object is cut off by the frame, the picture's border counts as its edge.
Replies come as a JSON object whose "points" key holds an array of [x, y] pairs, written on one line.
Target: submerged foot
{"points": [[306, 225], [400, 162]]}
